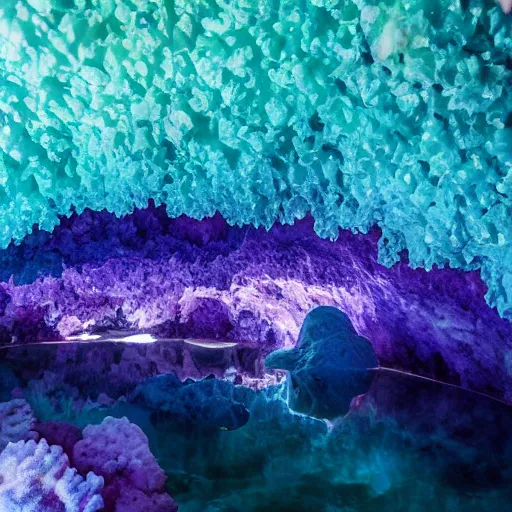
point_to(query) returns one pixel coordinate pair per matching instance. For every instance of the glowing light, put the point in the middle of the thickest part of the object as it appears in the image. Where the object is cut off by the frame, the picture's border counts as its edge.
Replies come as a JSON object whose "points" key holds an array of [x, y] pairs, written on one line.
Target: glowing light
{"points": [[138, 338], [83, 337], [211, 344]]}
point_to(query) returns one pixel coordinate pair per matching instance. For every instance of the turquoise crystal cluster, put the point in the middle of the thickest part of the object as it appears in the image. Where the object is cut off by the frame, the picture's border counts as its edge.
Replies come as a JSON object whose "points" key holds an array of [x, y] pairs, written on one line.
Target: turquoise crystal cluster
{"points": [[362, 113]]}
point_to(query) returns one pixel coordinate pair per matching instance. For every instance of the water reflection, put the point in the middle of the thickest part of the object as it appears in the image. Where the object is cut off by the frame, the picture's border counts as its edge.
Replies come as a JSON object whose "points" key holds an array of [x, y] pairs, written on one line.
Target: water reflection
{"points": [[409, 444]]}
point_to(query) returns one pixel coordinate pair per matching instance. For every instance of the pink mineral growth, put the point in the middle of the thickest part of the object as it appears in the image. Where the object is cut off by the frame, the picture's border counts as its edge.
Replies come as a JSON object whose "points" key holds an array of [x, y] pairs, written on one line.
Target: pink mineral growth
{"points": [[506, 5], [119, 451]]}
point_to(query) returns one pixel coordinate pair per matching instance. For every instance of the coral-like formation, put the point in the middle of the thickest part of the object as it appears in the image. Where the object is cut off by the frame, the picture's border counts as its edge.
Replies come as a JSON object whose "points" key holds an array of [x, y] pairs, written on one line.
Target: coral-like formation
{"points": [[146, 271], [118, 448], [118, 451], [35, 477], [16, 422], [361, 112], [382, 125], [328, 367]]}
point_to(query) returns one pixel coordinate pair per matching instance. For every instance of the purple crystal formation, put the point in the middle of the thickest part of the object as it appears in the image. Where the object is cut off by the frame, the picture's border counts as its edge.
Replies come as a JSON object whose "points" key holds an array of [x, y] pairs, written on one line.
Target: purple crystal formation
{"points": [[205, 279]]}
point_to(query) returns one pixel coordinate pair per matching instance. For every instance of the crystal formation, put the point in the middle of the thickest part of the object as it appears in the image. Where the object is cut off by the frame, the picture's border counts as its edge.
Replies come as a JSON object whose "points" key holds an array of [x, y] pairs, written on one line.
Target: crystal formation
{"points": [[255, 255], [16, 422], [361, 112], [184, 278]]}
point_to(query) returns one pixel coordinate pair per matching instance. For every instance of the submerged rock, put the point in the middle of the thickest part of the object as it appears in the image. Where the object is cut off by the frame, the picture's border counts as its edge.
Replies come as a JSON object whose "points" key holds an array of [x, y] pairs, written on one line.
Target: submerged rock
{"points": [[207, 403], [59, 433], [328, 367]]}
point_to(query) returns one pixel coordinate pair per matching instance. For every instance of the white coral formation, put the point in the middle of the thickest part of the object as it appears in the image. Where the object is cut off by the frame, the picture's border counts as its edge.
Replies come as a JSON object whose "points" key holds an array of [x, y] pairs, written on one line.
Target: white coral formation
{"points": [[392, 40], [16, 422], [35, 477]]}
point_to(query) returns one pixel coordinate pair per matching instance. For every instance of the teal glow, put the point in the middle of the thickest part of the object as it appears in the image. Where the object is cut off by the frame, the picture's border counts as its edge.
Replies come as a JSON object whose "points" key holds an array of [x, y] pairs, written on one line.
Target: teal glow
{"points": [[360, 112]]}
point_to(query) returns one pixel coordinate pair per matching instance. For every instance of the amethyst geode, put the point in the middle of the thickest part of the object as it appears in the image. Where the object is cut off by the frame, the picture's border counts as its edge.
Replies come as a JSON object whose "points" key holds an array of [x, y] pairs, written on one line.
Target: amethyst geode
{"points": [[187, 278]]}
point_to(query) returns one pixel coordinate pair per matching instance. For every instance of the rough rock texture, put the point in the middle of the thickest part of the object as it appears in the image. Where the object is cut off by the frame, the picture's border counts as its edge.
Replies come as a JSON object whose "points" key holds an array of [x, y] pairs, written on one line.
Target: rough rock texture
{"points": [[134, 500], [146, 271], [328, 367], [16, 422], [36, 477], [207, 403], [361, 112], [450, 418], [118, 450]]}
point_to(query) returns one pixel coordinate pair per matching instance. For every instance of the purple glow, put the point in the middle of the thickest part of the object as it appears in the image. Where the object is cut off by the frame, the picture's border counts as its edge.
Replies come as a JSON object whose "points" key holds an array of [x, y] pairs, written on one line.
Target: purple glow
{"points": [[185, 278]]}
